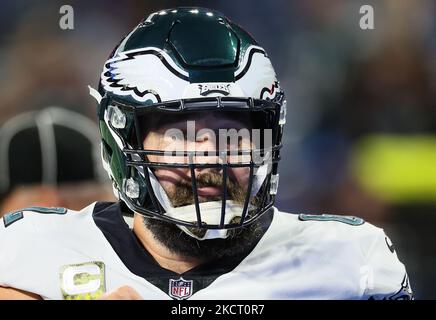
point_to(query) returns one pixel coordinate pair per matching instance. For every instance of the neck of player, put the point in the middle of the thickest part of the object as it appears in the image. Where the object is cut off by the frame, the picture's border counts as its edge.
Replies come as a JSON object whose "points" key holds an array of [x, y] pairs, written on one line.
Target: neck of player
{"points": [[163, 256]]}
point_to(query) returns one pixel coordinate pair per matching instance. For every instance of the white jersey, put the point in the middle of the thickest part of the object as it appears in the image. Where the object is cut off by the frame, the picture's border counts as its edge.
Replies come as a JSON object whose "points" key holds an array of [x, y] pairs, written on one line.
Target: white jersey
{"points": [[63, 254]]}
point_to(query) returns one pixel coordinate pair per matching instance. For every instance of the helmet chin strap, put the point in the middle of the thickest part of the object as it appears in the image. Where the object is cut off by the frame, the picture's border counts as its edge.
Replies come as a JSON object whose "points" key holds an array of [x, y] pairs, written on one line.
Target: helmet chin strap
{"points": [[210, 214]]}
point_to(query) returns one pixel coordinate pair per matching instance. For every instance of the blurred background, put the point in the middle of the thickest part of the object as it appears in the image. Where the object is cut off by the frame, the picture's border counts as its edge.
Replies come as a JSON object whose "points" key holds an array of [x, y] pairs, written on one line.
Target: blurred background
{"points": [[361, 131]]}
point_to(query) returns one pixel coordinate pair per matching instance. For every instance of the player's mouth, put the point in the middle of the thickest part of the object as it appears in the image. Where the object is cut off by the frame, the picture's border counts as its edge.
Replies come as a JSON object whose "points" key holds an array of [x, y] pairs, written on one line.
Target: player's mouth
{"points": [[209, 191]]}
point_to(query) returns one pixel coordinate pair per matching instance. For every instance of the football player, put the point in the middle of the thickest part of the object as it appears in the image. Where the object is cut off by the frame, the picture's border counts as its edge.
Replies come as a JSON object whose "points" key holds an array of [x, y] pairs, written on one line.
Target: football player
{"points": [[191, 118]]}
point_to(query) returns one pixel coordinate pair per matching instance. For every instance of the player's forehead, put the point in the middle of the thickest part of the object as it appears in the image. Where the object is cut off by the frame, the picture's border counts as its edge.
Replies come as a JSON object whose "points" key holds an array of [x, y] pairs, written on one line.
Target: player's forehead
{"points": [[210, 119]]}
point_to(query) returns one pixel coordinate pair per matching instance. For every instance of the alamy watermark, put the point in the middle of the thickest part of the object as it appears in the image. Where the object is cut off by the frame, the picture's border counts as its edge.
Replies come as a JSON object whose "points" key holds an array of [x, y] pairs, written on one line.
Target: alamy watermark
{"points": [[366, 21], [66, 21], [222, 145]]}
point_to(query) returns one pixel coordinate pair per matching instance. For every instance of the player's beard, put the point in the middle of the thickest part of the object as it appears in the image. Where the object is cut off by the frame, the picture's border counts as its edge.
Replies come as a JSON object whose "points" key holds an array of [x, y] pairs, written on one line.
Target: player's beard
{"points": [[238, 241]]}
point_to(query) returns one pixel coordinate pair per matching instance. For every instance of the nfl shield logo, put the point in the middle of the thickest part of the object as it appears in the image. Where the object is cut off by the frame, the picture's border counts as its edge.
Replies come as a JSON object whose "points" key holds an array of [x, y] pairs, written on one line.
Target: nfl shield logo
{"points": [[180, 289]]}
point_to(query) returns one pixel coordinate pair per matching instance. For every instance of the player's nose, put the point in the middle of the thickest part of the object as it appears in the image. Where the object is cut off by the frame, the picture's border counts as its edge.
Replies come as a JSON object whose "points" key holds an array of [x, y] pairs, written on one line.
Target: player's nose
{"points": [[206, 149]]}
